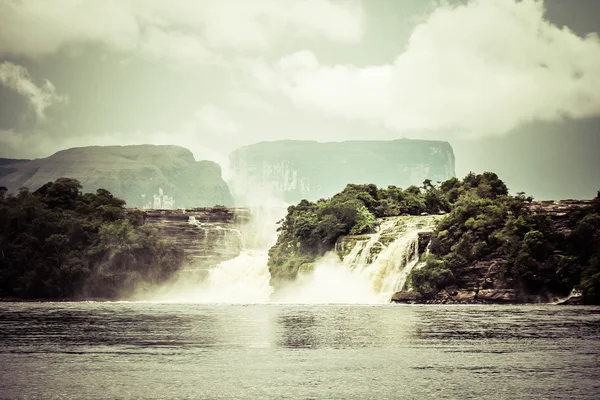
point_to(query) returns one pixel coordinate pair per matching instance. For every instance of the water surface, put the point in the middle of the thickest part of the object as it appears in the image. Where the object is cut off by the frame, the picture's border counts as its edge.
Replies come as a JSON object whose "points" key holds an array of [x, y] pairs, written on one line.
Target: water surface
{"points": [[173, 351]]}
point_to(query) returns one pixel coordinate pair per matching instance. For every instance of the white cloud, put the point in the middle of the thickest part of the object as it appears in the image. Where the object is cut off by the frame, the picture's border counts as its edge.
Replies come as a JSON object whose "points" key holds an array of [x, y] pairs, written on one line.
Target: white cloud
{"points": [[213, 120], [251, 101], [41, 97], [184, 30], [480, 68], [176, 46]]}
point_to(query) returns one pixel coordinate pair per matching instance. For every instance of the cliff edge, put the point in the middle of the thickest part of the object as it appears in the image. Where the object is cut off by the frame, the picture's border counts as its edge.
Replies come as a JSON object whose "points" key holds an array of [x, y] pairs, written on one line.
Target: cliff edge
{"points": [[294, 170], [145, 176]]}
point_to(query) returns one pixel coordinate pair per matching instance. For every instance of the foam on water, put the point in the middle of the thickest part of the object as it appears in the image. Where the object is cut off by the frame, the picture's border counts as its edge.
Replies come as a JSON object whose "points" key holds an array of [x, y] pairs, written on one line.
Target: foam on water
{"points": [[376, 267]]}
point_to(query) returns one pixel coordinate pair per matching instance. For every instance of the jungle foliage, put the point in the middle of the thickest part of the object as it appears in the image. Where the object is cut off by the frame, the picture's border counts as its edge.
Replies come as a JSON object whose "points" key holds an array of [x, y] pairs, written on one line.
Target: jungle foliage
{"points": [[482, 222], [539, 257], [57, 243], [310, 229]]}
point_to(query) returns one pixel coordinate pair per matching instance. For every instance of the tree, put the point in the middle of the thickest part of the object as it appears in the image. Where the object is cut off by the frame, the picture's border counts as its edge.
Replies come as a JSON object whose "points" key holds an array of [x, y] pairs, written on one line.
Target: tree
{"points": [[59, 243]]}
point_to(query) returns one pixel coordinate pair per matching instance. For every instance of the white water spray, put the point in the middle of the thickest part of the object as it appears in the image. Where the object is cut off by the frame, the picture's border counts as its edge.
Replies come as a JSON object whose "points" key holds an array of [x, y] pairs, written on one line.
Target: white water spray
{"points": [[241, 280], [374, 267]]}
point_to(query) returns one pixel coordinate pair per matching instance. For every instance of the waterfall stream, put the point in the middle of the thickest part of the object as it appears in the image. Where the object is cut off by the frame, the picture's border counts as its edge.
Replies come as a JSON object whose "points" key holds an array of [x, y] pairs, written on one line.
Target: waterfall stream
{"points": [[388, 269], [373, 267]]}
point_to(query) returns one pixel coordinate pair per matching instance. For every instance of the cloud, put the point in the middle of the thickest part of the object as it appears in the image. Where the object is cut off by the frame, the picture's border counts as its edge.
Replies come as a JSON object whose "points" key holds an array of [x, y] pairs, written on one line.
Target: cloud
{"points": [[479, 68], [177, 47], [18, 79], [210, 128], [183, 30], [38, 27], [251, 101], [213, 120]]}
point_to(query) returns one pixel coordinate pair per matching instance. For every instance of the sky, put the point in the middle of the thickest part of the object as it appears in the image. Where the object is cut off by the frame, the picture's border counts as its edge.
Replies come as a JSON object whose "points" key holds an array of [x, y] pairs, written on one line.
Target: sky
{"points": [[514, 86]]}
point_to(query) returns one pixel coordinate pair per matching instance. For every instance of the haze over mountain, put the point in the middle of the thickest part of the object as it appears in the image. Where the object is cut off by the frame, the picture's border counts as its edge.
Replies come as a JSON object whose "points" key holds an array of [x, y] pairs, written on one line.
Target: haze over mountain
{"points": [[145, 176], [513, 86], [293, 170]]}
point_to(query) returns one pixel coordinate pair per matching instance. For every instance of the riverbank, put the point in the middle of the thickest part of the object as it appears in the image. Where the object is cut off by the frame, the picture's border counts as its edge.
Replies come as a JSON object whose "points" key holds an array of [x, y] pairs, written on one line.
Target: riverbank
{"points": [[485, 296]]}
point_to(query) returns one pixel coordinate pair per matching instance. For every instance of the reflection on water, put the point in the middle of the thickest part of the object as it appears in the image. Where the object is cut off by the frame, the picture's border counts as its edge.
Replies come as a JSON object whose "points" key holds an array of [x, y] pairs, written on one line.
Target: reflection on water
{"points": [[299, 330], [342, 327], [144, 350]]}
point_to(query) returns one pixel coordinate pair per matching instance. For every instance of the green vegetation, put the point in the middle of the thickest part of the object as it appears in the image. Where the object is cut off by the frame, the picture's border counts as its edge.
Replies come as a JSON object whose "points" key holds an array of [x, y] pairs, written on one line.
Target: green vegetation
{"points": [[59, 243], [540, 258], [310, 229], [483, 223], [583, 261]]}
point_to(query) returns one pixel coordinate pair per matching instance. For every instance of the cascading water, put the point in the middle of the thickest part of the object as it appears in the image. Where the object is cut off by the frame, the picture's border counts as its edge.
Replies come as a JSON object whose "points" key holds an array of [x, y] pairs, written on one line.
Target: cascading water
{"points": [[388, 270], [243, 279], [374, 266]]}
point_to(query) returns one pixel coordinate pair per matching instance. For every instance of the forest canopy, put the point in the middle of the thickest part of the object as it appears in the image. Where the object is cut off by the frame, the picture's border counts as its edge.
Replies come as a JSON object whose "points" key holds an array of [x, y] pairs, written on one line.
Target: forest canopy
{"points": [[310, 229], [59, 243], [482, 221]]}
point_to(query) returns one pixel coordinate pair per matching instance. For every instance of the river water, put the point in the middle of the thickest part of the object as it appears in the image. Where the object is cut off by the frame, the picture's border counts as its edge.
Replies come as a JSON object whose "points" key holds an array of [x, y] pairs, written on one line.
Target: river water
{"points": [[270, 351]]}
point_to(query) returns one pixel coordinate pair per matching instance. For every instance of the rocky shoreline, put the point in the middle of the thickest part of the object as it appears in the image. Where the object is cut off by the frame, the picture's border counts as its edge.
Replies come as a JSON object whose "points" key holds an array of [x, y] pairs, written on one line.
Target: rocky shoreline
{"points": [[485, 296], [485, 280]]}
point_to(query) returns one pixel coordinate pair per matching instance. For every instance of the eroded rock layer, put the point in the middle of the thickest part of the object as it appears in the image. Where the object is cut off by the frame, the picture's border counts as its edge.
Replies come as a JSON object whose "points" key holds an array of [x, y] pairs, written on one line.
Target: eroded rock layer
{"points": [[208, 236], [486, 281]]}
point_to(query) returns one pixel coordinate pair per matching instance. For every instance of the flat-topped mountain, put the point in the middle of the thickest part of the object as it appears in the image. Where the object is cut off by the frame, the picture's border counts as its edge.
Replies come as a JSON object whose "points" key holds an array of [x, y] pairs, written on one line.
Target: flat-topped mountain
{"points": [[145, 176], [295, 170]]}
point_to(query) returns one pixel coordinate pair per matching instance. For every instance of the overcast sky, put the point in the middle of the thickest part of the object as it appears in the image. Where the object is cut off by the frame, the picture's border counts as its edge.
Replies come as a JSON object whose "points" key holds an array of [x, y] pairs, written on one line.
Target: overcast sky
{"points": [[513, 85]]}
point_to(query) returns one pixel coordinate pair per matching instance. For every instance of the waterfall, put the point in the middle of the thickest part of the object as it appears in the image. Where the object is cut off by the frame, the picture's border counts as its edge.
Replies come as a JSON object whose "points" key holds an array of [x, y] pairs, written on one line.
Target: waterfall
{"points": [[376, 266], [387, 271], [373, 267], [243, 279]]}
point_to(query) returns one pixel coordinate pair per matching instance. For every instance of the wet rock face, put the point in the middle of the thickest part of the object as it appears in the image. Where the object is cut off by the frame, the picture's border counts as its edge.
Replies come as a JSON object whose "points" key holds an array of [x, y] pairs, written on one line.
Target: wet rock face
{"points": [[497, 295], [424, 239], [208, 236], [145, 176], [346, 243], [485, 280], [295, 170], [559, 212], [462, 296]]}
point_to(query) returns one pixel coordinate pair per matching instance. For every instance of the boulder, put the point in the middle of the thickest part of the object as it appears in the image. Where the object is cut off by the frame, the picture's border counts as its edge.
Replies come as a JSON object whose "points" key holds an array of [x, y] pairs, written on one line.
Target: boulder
{"points": [[497, 295], [404, 296], [465, 296]]}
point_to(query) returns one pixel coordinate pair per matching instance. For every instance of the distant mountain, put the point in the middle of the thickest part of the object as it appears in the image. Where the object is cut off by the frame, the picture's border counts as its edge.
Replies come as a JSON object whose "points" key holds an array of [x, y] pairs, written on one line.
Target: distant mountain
{"points": [[144, 175], [295, 170]]}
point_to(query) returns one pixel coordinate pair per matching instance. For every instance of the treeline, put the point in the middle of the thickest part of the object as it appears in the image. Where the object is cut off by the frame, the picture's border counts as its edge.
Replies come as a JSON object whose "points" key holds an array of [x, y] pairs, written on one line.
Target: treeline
{"points": [[58, 243], [539, 257], [482, 222], [310, 229]]}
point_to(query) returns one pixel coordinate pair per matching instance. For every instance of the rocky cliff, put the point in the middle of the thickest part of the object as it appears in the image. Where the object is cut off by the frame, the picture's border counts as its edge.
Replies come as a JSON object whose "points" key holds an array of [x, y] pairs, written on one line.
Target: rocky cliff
{"points": [[145, 176], [296, 170], [208, 236], [485, 280]]}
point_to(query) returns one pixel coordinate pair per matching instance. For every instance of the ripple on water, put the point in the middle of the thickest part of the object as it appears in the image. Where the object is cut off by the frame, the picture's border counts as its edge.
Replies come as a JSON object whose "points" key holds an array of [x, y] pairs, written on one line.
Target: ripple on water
{"points": [[154, 350]]}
